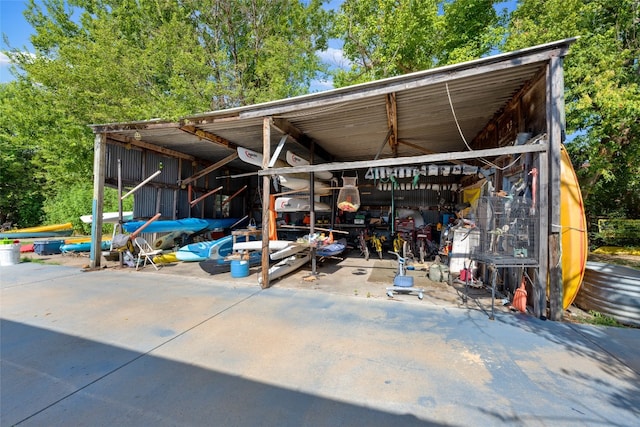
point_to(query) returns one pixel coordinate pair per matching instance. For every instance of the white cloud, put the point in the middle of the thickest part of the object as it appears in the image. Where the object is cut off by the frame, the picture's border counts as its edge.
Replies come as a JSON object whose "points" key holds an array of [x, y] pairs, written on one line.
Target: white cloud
{"points": [[4, 60], [334, 57], [320, 85]]}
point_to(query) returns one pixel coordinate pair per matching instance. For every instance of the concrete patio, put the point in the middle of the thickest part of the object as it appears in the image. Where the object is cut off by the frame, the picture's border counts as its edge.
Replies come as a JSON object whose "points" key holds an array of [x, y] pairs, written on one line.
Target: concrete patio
{"points": [[119, 347]]}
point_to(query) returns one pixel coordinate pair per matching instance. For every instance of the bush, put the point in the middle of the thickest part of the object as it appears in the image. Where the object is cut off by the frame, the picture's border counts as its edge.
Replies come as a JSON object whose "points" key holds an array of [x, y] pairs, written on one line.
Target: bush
{"points": [[69, 204]]}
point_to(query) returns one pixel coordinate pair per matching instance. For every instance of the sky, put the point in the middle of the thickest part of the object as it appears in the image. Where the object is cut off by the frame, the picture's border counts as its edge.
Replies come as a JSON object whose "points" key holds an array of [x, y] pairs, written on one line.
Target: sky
{"points": [[17, 30]]}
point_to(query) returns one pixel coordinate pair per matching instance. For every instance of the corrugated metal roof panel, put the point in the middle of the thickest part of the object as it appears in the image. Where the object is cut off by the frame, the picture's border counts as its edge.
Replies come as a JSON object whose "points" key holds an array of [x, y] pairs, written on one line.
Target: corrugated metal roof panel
{"points": [[351, 123]]}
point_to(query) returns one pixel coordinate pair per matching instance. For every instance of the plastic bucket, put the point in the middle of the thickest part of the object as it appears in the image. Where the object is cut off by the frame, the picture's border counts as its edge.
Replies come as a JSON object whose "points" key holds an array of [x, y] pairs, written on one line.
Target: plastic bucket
{"points": [[239, 268], [10, 254]]}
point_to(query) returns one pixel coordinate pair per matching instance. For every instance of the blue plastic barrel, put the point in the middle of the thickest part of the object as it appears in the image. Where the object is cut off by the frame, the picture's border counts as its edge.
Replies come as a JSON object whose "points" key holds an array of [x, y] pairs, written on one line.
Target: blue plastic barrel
{"points": [[239, 268]]}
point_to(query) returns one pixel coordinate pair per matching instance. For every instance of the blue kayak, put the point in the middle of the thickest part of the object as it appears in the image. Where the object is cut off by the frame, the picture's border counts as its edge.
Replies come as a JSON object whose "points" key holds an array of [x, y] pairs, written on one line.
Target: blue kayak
{"points": [[335, 248], [186, 224], [83, 247], [215, 250]]}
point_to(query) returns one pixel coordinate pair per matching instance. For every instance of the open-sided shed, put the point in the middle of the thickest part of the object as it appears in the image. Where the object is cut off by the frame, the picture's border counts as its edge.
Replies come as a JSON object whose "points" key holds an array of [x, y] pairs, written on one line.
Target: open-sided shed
{"points": [[465, 114]]}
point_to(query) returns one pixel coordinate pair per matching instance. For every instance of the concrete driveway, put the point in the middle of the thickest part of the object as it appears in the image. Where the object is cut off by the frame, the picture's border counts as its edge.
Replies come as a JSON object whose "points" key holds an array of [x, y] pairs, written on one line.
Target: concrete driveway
{"points": [[119, 348]]}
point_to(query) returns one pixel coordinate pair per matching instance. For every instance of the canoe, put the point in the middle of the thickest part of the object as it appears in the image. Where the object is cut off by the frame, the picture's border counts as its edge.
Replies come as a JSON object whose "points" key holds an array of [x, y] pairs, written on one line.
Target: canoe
{"points": [[295, 160], [256, 245], [255, 158], [294, 183], [286, 266], [174, 238], [574, 239], [222, 265], [299, 204], [279, 248], [199, 251], [291, 249], [186, 224], [83, 246], [210, 249], [166, 258], [56, 230], [109, 217]]}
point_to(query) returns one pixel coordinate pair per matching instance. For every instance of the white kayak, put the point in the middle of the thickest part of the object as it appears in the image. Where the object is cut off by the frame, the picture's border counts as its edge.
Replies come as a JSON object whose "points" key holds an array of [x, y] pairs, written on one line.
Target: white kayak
{"points": [[295, 160], [279, 248], [294, 183], [108, 217], [286, 266], [299, 204], [256, 245]]}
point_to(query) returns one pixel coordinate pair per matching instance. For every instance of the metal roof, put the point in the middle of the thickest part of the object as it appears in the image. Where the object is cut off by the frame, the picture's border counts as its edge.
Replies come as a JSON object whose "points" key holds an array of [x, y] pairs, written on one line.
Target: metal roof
{"points": [[435, 109]]}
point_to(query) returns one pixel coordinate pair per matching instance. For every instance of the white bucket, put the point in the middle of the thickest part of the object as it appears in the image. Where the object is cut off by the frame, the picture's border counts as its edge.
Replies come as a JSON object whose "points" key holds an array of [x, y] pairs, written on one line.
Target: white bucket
{"points": [[10, 254]]}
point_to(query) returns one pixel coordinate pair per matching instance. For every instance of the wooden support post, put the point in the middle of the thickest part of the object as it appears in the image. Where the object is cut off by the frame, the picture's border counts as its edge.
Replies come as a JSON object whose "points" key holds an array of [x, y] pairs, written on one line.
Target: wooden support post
{"points": [[540, 291], [266, 193], [555, 126], [99, 149]]}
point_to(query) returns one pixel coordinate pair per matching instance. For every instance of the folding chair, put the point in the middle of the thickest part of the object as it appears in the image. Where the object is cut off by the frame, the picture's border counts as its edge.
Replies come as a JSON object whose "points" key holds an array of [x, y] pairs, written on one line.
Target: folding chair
{"points": [[145, 253]]}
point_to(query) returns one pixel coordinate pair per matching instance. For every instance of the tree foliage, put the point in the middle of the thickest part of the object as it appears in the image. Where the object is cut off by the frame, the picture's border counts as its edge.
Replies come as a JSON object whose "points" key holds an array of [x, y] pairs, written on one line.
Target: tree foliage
{"points": [[102, 61], [384, 38], [602, 80]]}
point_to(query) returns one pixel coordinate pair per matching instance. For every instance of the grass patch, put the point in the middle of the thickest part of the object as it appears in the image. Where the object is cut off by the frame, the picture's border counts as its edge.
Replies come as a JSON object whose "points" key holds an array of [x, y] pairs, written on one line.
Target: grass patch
{"points": [[600, 319], [632, 261]]}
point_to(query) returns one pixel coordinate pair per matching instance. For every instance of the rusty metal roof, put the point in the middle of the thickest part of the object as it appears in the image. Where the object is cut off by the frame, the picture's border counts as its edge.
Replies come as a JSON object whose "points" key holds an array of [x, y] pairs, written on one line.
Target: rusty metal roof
{"points": [[435, 109]]}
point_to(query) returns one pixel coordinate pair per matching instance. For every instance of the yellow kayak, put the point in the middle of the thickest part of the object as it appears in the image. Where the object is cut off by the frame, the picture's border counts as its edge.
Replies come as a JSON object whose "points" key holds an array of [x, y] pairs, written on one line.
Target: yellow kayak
{"points": [[42, 228], [575, 245], [166, 258]]}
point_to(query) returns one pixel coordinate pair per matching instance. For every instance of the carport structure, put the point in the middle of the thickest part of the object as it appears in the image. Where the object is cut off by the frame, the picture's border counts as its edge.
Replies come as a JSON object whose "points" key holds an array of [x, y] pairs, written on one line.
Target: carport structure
{"points": [[467, 113]]}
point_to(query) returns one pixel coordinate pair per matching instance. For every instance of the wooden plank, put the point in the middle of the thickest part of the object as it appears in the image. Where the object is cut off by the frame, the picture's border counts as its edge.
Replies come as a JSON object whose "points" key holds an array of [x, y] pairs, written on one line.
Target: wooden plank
{"points": [[392, 122], [266, 197], [555, 115], [210, 169], [287, 128], [130, 142], [412, 160], [540, 293], [208, 136]]}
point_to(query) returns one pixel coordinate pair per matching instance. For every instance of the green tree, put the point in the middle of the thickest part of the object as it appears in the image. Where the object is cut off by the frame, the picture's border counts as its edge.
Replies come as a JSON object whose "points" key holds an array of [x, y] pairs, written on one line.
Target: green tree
{"points": [[602, 92], [21, 198], [384, 38], [101, 61]]}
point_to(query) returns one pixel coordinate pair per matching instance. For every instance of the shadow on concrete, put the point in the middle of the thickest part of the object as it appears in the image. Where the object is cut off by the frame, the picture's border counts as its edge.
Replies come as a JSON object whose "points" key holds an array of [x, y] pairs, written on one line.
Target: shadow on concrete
{"points": [[612, 348], [70, 380]]}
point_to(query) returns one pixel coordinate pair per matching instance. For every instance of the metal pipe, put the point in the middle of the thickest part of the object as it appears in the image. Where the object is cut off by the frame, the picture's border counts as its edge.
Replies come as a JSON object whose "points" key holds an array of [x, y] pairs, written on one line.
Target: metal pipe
{"points": [[134, 189]]}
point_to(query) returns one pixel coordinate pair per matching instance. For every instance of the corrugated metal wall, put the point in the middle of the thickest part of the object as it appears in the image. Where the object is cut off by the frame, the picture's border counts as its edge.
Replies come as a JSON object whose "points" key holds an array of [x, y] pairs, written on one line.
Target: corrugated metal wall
{"points": [[163, 194], [612, 290]]}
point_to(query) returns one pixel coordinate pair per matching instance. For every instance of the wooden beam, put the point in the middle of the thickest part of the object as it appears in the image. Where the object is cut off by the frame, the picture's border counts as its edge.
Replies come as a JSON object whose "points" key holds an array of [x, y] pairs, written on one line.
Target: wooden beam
{"points": [[210, 169], [285, 127], [555, 127], [119, 127], [392, 121], [266, 197], [208, 136], [424, 150], [411, 160], [130, 142]]}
